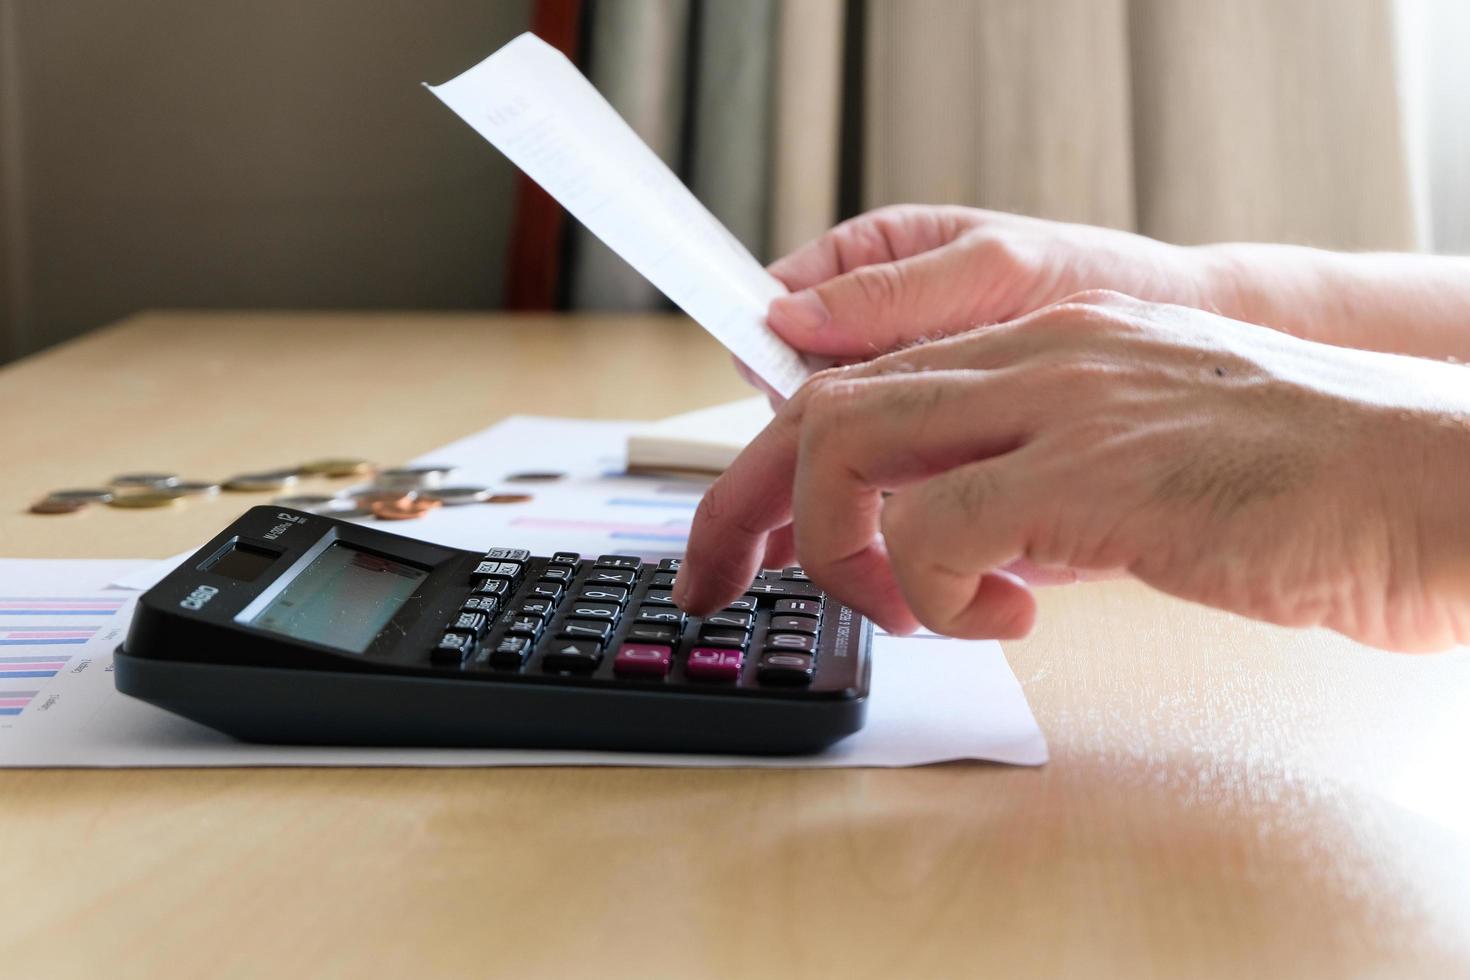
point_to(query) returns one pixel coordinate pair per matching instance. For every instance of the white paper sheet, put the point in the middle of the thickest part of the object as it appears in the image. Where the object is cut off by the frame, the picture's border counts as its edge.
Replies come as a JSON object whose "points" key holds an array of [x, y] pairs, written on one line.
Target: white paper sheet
{"points": [[933, 700], [533, 105]]}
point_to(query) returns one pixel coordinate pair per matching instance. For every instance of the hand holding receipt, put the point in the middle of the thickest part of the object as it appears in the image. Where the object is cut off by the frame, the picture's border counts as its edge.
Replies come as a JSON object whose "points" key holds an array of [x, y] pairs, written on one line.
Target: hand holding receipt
{"points": [[533, 105]]}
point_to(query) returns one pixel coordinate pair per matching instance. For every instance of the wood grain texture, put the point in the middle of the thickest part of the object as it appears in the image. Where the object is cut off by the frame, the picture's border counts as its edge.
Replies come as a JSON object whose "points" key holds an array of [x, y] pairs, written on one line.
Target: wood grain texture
{"points": [[1225, 799]]}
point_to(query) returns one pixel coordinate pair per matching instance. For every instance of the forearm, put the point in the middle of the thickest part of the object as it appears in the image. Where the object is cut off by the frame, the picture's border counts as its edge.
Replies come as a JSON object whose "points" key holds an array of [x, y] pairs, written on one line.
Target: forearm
{"points": [[1400, 303]]}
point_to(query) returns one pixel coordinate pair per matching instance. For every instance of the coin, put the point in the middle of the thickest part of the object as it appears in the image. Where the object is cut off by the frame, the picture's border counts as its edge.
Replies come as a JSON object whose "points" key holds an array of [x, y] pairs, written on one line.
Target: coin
{"points": [[321, 504], [455, 496], [52, 505], [156, 498], [257, 482], [366, 496], [508, 498], [337, 467], [145, 481], [403, 510], [414, 477], [194, 488], [535, 476], [85, 496]]}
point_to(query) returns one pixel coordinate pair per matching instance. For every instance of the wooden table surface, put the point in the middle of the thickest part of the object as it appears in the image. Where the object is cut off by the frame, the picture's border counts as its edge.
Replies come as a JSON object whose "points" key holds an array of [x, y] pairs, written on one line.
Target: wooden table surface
{"points": [[1225, 799]]}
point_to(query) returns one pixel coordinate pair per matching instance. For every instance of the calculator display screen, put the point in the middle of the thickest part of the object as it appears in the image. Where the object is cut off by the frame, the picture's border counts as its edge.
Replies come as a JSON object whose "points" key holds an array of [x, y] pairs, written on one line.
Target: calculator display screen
{"points": [[342, 599]]}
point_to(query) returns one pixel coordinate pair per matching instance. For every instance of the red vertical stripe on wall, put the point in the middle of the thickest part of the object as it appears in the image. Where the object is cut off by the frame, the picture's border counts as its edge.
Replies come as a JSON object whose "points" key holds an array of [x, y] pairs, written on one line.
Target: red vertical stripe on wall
{"points": [[533, 265]]}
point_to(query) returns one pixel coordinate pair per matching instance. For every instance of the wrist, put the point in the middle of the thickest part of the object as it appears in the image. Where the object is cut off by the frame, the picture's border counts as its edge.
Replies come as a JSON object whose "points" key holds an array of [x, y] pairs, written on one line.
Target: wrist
{"points": [[1435, 444], [1285, 287]]}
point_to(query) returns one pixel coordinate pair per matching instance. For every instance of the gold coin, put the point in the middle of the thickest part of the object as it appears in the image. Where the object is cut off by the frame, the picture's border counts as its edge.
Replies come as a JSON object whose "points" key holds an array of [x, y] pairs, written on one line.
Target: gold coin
{"points": [[337, 467], [508, 498], [130, 501], [54, 505], [403, 510]]}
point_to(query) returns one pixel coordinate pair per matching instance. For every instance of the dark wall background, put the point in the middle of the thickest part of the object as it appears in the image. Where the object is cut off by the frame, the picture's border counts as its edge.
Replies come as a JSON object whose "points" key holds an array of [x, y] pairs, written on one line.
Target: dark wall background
{"points": [[273, 153]]}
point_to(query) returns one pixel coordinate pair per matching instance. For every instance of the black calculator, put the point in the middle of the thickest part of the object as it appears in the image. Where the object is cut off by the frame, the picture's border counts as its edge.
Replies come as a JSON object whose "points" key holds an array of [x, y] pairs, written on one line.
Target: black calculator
{"points": [[296, 628]]}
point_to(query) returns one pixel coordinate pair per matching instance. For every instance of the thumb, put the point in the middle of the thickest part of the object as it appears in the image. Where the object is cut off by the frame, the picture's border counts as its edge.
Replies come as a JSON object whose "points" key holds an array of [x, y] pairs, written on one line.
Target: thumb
{"points": [[877, 308]]}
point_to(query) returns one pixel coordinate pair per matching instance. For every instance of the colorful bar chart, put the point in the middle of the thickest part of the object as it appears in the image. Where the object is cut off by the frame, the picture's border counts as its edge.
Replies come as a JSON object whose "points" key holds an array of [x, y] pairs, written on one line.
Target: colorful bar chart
{"points": [[14, 702], [62, 606], [41, 635]]}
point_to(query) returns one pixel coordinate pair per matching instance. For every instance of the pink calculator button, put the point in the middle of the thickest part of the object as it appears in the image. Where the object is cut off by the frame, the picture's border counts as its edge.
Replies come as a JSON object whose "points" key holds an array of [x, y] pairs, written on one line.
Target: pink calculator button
{"points": [[642, 658], [714, 664]]}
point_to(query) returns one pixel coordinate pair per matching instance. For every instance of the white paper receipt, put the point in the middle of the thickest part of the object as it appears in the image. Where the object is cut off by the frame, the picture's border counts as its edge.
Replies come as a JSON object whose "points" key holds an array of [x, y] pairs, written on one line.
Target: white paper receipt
{"points": [[534, 106]]}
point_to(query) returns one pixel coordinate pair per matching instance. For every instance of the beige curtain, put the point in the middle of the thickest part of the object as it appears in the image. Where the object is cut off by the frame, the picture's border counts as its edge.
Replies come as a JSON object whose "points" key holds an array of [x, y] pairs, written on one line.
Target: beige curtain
{"points": [[1188, 120]]}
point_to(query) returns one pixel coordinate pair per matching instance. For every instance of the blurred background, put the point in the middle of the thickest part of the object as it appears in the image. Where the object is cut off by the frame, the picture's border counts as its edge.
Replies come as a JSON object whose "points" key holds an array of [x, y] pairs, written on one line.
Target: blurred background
{"points": [[281, 154]]}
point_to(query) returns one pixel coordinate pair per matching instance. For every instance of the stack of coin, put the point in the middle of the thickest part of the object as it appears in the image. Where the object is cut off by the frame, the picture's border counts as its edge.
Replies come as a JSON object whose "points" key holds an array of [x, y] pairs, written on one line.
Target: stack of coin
{"points": [[397, 493]]}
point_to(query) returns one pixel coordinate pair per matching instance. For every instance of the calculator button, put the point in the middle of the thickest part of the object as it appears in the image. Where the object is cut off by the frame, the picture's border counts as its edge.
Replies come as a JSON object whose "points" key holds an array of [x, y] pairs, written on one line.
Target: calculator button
{"points": [[584, 629], [791, 642], [743, 604], [557, 573], [538, 607], [660, 614], [545, 590], [659, 598], [794, 624], [799, 607], [619, 561], [643, 659], [651, 633], [486, 604], [610, 576], [580, 655], [493, 586], [470, 622], [730, 620], [662, 580], [508, 554], [717, 637], [452, 648], [794, 574], [511, 651], [564, 558], [714, 664], [498, 569], [525, 626], [783, 590], [670, 564], [603, 593], [785, 668], [594, 610]]}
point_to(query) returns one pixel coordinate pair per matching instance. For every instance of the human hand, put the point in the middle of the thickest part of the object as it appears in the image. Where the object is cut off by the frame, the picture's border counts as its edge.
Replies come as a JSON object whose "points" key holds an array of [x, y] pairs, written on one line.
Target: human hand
{"points": [[1217, 461], [900, 275]]}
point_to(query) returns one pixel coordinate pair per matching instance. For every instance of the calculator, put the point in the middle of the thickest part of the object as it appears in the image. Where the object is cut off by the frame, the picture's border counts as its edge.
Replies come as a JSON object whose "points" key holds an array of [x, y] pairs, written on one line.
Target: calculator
{"points": [[297, 628]]}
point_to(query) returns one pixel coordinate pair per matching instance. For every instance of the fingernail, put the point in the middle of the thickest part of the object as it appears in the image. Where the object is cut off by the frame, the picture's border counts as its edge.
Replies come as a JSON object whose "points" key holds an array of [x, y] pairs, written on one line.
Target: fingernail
{"points": [[801, 312]]}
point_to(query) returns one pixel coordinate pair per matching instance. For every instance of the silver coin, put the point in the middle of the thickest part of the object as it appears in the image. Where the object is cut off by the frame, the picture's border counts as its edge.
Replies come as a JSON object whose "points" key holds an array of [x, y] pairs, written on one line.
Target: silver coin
{"points": [[193, 488], [144, 481], [455, 496], [317, 504], [257, 482], [412, 477], [84, 496]]}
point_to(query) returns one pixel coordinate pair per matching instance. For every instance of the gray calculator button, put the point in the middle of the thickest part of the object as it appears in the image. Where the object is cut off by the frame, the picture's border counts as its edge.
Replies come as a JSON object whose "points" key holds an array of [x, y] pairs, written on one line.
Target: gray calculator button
{"points": [[791, 643], [508, 554], [594, 610]]}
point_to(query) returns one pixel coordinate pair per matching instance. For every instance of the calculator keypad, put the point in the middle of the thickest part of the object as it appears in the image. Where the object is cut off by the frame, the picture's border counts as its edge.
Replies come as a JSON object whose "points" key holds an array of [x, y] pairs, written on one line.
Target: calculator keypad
{"points": [[615, 618]]}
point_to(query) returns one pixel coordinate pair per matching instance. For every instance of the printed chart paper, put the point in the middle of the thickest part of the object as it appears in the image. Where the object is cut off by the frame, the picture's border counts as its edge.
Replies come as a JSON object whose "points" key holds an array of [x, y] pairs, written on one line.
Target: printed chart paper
{"points": [[533, 105]]}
